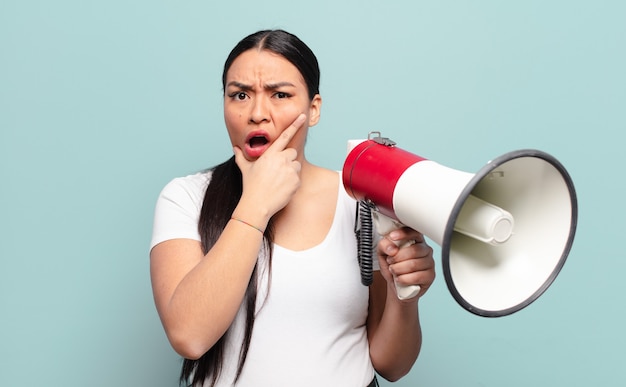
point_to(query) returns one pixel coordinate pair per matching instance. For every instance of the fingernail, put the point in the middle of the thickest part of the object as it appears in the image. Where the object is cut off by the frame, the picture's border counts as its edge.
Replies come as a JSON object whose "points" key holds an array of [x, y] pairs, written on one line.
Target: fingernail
{"points": [[394, 235]]}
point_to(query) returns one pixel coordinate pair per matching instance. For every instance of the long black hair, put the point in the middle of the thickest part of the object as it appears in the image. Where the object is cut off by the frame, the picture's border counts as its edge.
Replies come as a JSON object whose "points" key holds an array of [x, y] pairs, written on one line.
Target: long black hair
{"points": [[223, 194]]}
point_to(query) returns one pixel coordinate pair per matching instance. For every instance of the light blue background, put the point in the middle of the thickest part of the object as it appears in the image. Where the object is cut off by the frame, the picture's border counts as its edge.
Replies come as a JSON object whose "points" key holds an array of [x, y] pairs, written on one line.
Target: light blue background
{"points": [[103, 102]]}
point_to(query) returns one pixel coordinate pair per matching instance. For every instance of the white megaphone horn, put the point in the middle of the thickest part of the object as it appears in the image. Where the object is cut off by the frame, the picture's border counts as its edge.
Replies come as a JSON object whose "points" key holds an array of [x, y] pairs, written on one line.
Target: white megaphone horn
{"points": [[505, 232]]}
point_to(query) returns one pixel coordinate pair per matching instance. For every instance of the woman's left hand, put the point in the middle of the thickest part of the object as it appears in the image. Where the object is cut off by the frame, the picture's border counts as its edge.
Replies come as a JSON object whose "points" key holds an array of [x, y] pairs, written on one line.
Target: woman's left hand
{"points": [[411, 264]]}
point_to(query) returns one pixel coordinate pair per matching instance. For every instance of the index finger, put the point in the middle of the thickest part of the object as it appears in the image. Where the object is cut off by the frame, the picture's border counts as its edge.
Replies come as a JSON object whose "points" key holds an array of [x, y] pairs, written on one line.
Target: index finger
{"points": [[286, 136], [406, 233]]}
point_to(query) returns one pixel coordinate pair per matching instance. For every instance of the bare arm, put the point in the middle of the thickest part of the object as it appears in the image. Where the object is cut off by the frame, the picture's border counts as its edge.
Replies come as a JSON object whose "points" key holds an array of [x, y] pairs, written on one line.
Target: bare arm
{"points": [[197, 296], [394, 329]]}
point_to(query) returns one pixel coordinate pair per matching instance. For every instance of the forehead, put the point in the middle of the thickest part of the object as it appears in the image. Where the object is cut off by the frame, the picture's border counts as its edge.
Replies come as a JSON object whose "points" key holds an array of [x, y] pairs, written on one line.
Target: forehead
{"points": [[263, 65]]}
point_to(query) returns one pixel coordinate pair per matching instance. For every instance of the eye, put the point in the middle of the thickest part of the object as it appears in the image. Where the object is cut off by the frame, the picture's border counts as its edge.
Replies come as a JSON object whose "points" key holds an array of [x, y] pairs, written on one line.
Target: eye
{"points": [[238, 95], [281, 95]]}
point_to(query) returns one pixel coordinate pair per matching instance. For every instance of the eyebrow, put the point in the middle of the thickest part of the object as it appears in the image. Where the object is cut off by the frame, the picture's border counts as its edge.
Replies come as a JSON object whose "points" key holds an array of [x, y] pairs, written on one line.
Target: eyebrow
{"points": [[267, 86]]}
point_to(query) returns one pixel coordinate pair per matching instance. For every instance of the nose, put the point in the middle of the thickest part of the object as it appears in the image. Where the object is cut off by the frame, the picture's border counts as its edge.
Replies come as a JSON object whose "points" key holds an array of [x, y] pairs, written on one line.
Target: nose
{"points": [[260, 111]]}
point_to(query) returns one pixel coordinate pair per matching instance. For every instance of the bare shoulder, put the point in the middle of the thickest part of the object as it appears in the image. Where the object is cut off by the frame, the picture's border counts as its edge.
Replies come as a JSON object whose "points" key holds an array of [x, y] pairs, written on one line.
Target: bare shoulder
{"points": [[320, 174], [322, 179]]}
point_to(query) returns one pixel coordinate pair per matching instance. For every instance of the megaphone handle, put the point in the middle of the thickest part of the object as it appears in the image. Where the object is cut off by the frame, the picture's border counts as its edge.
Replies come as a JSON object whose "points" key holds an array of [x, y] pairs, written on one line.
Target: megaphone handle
{"points": [[385, 225]]}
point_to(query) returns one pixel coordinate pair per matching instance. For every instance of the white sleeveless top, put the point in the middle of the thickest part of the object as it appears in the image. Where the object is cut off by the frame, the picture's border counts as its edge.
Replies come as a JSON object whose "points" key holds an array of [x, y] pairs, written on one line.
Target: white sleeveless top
{"points": [[310, 327]]}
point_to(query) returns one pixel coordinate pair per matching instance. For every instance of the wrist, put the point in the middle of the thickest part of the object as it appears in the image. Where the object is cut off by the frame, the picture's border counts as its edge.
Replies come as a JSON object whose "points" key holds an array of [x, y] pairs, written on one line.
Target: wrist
{"points": [[393, 291], [255, 217], [240, 220]]}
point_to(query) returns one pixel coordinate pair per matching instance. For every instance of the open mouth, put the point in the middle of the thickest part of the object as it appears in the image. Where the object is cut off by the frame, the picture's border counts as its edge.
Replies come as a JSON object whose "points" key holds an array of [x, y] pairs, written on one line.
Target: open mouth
{"points": [[257, 141]]}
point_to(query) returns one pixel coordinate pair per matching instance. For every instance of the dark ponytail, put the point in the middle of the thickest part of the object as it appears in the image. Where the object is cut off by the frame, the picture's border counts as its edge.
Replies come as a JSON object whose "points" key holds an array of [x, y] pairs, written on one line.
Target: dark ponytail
{"points": [[223, 194], [221, 198]]}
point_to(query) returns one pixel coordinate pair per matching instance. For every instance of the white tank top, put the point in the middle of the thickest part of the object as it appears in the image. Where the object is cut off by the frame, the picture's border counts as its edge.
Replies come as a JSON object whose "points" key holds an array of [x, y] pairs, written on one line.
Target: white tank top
{"points": [[310, 327]]}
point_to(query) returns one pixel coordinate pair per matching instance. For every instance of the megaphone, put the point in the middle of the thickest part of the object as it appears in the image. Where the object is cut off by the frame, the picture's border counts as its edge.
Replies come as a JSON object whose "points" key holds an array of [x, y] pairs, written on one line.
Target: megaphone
{"points": [[505, 232]]}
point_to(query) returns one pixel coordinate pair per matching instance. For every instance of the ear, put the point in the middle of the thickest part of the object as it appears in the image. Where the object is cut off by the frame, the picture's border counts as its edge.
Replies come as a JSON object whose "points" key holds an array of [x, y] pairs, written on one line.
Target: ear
{"points": [[315, 110]]}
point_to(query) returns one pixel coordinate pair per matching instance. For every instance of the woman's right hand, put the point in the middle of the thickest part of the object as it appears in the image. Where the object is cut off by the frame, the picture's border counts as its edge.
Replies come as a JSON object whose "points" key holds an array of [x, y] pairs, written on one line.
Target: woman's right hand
{"points": [[270, 181]]}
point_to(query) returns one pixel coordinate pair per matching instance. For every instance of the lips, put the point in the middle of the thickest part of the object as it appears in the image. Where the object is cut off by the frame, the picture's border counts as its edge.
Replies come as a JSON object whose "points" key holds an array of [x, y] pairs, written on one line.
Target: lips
{"points": [[256, 143]]}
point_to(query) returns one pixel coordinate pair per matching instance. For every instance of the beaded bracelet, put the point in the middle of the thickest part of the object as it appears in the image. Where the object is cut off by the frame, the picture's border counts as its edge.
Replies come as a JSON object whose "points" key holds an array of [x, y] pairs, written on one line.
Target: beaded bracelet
{"points": [[248, 224]]}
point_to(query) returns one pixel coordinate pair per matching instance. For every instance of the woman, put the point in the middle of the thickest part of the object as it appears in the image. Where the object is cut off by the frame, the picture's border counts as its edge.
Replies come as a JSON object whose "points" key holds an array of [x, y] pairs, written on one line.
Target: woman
{"points": [[253, 262]]}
